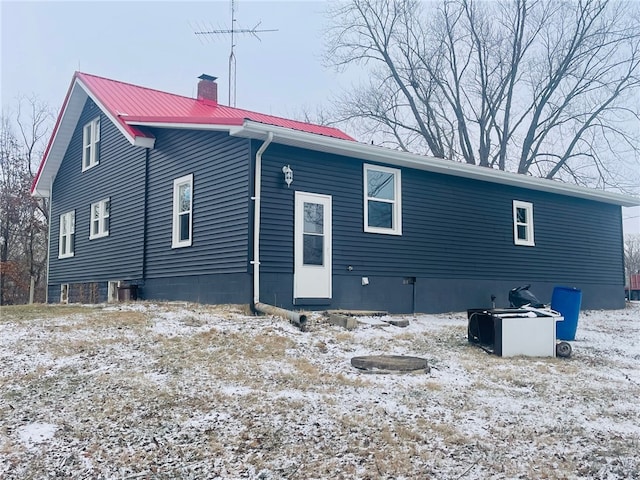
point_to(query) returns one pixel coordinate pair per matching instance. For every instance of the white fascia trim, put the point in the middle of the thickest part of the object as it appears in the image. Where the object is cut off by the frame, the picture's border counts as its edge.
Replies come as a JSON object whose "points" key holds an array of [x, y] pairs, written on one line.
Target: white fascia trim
{"points": [[133, 140], [186, 126], [61, 139], [100, 105], [64, 131], [383, 155]]}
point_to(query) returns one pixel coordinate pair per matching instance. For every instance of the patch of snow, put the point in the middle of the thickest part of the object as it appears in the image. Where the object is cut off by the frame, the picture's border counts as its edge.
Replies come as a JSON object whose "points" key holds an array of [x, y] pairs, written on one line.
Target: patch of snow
{"points": [[175, 397], [373, 321], [34, 434]]}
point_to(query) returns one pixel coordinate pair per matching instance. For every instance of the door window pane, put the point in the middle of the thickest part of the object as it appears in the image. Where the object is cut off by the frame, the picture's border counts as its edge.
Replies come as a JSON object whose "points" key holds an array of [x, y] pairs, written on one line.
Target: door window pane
{"points": [[312, 251], [313, 218]]}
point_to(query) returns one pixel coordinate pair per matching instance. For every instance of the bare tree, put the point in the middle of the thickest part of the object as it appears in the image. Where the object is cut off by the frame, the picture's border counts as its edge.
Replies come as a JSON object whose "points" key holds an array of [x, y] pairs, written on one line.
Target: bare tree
{"points": [[539, 87], [632, 254], [23, 219], [631, 263]]}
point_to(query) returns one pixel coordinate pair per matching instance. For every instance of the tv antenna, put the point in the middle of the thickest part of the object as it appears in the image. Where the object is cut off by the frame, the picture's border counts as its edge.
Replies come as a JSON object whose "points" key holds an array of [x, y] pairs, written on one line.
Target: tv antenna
{"points": [[233, 31]]}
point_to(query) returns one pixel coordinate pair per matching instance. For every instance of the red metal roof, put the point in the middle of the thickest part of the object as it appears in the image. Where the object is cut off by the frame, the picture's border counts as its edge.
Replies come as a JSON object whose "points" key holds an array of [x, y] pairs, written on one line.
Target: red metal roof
{"points": [[132, 104]]}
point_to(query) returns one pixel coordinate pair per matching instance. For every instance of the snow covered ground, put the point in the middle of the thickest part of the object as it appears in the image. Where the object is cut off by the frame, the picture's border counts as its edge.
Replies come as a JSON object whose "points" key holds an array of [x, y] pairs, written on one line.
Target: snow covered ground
{"points": [[180, 391]]}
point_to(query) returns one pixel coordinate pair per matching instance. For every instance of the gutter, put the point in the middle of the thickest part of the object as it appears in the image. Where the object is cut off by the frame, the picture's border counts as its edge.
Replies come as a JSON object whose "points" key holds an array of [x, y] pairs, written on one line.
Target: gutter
{"points": [[371, 153], [296, 318]]}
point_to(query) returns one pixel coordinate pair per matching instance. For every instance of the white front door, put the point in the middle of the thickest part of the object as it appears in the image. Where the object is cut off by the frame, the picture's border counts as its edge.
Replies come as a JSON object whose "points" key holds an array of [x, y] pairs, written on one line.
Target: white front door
{"points": [[312, 274]]}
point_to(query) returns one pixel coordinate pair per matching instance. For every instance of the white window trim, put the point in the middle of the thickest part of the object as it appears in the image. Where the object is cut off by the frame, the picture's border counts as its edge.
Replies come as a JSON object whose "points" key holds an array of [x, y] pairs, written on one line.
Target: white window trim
{"points": [[530, 240], [102, 231], [90, 141], [175, 236], [72, 231], [397, 201]]}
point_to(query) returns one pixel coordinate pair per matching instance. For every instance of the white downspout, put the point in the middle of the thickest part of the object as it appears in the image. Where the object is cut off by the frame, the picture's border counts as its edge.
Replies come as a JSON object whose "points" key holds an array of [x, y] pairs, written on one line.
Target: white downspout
{"points": [[296, 318], [46, 287], [256, 218]]}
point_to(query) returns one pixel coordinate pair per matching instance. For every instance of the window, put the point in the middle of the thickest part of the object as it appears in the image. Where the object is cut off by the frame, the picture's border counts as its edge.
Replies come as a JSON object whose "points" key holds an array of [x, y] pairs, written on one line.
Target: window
{"points": [[100, 219], [91, 144], [182, 211], [67, 234], [382, 200], [112, 293], [523, 223], [64, 293], [313, 234]]}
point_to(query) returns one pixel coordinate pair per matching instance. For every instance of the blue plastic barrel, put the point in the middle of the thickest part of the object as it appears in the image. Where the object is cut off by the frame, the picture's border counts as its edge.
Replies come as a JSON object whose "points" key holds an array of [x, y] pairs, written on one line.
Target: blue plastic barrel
{"points": [[566, 300]]}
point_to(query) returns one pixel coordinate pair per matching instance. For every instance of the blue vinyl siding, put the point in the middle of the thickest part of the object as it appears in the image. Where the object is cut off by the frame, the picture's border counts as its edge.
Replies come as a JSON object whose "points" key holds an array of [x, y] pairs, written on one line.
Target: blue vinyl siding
{"points": [[456, 231], [120, 177], [457, 234], [220, 167]]}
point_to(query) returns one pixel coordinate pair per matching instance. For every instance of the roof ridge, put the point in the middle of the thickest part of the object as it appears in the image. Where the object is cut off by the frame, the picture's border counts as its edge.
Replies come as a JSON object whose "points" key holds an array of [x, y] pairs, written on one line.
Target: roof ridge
{"points": [[284, 118], [134, 85], [239, 110]]}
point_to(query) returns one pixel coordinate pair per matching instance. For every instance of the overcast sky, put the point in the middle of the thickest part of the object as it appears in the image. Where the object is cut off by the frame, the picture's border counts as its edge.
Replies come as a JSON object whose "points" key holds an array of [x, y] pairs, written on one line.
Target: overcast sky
{"points": [[152, 43]]}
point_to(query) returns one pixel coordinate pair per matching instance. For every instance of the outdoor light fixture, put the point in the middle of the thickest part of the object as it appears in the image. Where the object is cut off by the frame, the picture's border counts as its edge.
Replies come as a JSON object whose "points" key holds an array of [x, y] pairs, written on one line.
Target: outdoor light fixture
{"points": [[288, 175]]}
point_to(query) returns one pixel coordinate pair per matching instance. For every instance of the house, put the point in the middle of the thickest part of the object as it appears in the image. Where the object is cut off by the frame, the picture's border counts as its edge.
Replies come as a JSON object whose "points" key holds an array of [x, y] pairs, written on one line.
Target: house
{"points": [[176, 198]]}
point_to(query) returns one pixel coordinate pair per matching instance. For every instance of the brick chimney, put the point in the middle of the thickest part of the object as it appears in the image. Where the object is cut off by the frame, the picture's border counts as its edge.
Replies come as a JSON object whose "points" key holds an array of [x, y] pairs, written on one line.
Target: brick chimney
{"points": [[208, 89]]}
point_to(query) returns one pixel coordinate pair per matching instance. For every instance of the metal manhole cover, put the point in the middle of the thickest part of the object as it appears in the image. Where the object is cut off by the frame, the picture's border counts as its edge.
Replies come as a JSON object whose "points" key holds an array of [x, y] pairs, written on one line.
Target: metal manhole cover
{"points": [[390, 363]]}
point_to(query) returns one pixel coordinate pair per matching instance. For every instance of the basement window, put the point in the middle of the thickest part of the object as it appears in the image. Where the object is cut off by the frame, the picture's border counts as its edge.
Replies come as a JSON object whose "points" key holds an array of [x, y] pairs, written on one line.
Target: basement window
{"points": [[523, 223], [91, 144], [64, 293], [382, 200], [112, 293]]}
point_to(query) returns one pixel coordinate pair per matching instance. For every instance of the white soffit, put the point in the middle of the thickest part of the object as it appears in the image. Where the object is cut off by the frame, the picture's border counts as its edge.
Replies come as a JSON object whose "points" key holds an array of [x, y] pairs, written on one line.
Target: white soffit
{"points": [[65, 128], [60, 142]]}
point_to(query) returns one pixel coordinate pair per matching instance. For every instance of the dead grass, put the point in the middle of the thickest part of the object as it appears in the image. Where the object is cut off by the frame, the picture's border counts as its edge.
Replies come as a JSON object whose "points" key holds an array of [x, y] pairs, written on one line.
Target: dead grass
{"points": [[21, 313], [189, 391]]}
